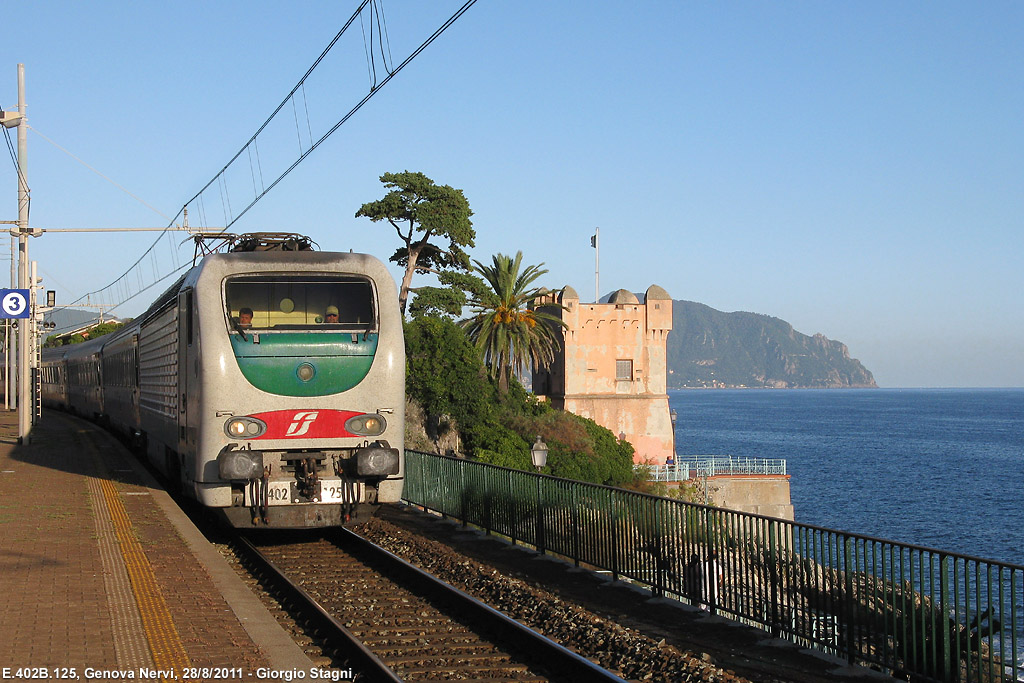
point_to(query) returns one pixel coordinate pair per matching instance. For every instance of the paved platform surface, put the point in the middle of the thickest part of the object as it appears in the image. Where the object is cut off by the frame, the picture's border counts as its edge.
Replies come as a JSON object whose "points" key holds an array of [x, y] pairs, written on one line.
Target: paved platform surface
{"points": [[102, 575]]}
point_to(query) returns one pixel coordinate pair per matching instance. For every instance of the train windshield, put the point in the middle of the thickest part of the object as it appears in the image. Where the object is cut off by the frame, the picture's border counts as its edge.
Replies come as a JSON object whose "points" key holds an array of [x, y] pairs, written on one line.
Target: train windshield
{"points": [[290, 302]]}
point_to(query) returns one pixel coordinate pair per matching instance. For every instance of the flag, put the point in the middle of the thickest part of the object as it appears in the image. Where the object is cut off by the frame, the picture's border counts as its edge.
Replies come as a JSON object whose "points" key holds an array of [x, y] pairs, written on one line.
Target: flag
{"points": [[593, 241]]}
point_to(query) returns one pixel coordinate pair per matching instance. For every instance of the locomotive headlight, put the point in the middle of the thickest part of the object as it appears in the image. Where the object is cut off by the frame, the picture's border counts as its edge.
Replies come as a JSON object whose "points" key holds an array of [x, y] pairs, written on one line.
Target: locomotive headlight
{"points": [[244, 427], [365, 425], [305, 372]]}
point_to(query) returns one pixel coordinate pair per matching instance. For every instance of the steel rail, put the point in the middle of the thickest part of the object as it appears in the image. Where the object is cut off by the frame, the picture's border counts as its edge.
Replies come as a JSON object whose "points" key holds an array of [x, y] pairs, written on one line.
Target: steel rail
{"points": [[369, 666], [555, 657]]}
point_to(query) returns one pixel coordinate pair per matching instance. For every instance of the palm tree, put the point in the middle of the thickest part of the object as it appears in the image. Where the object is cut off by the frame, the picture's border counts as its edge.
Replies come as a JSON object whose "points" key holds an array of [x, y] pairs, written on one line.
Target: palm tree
{"points": [[505, 326]]}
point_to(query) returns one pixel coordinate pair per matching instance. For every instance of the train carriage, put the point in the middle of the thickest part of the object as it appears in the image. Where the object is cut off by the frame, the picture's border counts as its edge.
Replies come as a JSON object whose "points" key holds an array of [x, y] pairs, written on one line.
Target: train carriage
{"points": [[119, 379], [270, 384], [53, 385], [82, 363]]}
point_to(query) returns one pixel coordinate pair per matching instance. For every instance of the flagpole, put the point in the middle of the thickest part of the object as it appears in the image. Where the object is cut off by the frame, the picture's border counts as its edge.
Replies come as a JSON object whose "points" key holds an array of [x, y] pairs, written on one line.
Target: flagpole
{"points": [[597, 264]]}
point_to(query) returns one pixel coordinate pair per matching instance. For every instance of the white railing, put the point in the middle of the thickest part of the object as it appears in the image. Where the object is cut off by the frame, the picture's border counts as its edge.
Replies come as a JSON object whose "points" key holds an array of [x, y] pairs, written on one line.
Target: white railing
{"points": [[700, 466]]}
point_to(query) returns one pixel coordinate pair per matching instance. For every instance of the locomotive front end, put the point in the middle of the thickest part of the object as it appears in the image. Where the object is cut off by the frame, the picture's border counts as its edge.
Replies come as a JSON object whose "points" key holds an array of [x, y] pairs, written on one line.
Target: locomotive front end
{"points": [[304, 404]]}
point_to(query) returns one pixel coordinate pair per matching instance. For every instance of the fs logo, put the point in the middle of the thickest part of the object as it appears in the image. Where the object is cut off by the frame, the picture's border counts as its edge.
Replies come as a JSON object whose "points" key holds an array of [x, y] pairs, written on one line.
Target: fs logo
{"points": [[301, 423]]}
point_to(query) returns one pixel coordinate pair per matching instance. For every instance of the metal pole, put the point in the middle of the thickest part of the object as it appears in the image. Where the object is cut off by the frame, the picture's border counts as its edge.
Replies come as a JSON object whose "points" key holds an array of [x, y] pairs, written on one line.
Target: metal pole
{"points": [[33, 330], [10, 401], [24, 381], [597, 265], [12, 358], [7, 359]]}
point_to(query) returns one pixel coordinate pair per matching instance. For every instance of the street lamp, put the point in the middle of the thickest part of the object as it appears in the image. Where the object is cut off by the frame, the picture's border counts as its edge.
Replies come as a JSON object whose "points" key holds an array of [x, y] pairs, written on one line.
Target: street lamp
{"points": [[673, 415], [539, 454]]}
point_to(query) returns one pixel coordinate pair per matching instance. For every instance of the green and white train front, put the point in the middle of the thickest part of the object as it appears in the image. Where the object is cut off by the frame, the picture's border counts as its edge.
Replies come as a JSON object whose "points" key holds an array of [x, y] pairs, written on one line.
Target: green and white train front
{"points": [[302, 396]]}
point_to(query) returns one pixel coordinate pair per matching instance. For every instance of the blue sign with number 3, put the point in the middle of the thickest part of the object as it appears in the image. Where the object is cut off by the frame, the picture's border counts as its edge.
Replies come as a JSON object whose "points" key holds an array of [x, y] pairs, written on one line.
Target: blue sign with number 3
{"points": [[14, 303]]}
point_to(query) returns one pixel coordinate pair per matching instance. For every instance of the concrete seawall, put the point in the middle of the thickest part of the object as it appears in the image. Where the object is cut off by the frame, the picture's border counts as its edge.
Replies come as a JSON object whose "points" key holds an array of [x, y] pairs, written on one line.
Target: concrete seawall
{"points": [[762, 494]]}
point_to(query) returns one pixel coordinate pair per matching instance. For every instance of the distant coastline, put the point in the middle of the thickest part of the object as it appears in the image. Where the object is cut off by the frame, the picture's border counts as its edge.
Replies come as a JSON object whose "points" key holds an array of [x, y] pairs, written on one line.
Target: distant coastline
{"points": [[709, 349]]}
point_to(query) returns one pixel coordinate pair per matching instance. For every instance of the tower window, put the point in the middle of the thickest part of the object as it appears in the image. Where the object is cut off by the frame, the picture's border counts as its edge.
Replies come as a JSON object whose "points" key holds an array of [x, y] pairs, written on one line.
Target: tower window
{"points": [[624, 370]]}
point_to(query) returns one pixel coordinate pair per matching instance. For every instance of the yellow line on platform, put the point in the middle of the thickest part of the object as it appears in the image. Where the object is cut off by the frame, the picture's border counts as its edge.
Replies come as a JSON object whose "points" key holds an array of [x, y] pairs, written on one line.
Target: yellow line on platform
{"points": [[164, 641]]}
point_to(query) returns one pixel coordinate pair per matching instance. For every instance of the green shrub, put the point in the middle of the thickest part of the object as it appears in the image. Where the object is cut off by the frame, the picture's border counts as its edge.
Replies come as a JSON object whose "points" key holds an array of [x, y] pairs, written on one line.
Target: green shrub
{"points": [[501, 445], [578, 447], [444, 373]]}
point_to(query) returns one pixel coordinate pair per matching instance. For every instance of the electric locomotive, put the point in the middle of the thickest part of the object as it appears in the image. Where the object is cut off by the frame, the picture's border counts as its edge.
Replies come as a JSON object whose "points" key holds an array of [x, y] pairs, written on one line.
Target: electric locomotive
{"points": [[269, 384]]}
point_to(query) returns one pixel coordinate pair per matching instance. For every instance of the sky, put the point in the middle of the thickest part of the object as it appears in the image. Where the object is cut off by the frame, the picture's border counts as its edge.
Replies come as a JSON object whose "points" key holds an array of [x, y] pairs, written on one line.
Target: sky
{"points": [[856, 169]]}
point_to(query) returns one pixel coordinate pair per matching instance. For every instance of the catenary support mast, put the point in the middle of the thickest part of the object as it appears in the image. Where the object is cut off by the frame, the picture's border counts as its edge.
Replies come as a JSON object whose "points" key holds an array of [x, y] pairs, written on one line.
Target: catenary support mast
{"points": [[22, 372], [24, 337]]}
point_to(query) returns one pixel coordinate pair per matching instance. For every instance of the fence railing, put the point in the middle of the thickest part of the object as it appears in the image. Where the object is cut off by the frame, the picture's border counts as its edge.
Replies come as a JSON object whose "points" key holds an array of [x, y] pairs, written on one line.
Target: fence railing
{"points": [[699, 466], [936, 614]]}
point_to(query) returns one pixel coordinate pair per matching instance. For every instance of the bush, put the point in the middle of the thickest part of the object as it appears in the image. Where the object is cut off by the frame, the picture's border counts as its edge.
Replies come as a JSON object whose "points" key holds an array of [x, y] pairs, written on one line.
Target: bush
{"points": [[444, 373], [617, 455], [496, 444], [578, 447]]}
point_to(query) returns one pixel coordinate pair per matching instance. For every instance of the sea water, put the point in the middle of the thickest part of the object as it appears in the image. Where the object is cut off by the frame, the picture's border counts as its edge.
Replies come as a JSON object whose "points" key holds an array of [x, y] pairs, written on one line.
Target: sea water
{"points": [[942, 468]]}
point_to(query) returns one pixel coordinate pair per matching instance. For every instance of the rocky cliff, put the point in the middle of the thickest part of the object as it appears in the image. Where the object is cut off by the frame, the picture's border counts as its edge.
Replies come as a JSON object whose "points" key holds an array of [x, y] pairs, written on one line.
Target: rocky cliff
{"points": [[709, 348]]}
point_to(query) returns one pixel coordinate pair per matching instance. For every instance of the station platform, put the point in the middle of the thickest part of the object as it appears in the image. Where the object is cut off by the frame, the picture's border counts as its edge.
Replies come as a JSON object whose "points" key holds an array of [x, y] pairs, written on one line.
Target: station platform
{"points": [[103, 577]]}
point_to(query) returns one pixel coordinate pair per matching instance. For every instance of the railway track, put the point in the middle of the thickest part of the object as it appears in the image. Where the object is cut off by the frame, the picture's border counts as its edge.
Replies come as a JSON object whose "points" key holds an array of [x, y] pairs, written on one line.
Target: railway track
{"points": [[390, 621]]}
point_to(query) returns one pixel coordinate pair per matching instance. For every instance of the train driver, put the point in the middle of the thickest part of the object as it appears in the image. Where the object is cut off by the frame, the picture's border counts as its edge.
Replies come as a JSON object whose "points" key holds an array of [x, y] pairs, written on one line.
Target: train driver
{"points": [[331, 315], [245, 317]]}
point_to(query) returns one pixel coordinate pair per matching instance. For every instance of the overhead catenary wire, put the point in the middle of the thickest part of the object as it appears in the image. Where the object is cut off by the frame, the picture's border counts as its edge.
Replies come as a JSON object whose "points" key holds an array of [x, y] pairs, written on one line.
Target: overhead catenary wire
{"points": [[17, 168], [305, 107], [279, 107], [123, 281], [128, 295], [376, 88], [376, 20], [105, 177], [384, 34], [220, 178], [119, 281], [10, 148]]}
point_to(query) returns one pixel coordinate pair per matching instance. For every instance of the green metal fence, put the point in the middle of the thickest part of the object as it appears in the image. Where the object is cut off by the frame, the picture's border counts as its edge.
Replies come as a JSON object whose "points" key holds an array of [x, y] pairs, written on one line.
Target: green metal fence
{"points": [[931, 613]]}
